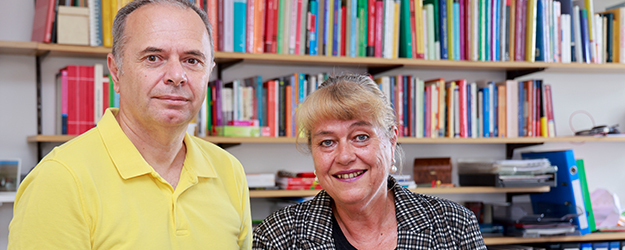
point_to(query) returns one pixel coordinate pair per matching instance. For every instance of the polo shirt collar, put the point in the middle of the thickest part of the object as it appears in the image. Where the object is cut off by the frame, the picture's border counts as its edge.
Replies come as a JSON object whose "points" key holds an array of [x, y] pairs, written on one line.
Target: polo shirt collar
{"points": [[130, 163]]}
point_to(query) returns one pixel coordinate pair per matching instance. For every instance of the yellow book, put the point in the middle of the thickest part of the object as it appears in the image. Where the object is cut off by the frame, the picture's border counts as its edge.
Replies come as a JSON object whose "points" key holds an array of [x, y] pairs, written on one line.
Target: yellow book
{"points": [[450, 29], [544, 132], [511, 38], [530, 43], [418, 12], [396, 30], [591, 27], [450, 109], [107, 24]]}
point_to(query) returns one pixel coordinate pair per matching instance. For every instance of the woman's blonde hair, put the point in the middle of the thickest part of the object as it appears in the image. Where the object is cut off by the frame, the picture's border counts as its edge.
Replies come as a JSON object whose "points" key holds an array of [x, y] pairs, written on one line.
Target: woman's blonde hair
{"points": [[347, 97]]}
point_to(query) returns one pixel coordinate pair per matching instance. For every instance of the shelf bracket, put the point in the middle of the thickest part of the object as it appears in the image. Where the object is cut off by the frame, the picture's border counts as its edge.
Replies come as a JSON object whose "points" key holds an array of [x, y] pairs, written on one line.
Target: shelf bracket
{"points": [[227, 145], [225, 65], [510, 147], [379, 70], [512, 74], [38, 60]]}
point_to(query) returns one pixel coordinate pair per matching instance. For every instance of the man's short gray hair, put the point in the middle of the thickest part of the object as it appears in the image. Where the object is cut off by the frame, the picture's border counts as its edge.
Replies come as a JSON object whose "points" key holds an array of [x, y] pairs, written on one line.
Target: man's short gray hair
{"points": [[119, 25]]}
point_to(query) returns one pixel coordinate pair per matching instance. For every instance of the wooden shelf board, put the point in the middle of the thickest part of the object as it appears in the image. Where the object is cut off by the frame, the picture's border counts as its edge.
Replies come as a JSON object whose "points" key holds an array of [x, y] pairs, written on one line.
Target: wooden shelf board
{"points": [[18, 48], [62, 50], [589, 237], [405, 140], [454, 190], [7, 197]]}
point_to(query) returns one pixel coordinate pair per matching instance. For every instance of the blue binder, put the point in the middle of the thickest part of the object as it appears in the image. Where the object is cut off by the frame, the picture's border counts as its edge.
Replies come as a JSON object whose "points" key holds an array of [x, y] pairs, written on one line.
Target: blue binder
{"points": [[566, 197], [615, 245], [586, 246], [600, 246]]}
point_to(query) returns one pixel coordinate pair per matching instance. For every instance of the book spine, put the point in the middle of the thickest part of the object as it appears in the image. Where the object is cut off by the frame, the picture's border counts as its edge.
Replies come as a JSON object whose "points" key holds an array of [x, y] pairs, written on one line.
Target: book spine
{"points": [[250, 26], [342, 48], [586, 44], [281, 26], [95, 23], [362, 27], [457, 28], [298, 27], [329, 30], [486, 112], [229, 32], [379, 20], [312, 27], [462, 35], [443, 32], [407, 37], [474, 111], [462, 108], [530, 31], [520, 30], [259, 25]]}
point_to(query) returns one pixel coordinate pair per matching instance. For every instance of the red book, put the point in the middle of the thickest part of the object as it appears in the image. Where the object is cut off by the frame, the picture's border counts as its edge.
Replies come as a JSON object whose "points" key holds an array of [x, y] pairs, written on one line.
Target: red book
{"points": [[529, 117], [551, 127], [428, 111], [343, 28], [411, 106], [272, 111], [413, 29], [249, 28], [379, 18], [462, 105], [464, 43], [537, 108], [371, 32], [212, 10], [42, 23], [298, 27], [501, 112], [86, 99], [270, 31], [521, 9], [214, 109], [220, 25], [259, 26], [399, 104], [105, 94], [73, 74]]}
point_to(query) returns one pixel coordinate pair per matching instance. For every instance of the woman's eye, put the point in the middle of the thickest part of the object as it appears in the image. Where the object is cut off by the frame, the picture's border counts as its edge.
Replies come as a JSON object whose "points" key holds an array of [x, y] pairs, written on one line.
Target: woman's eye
{"points": [[362, 137], [326, 143]]}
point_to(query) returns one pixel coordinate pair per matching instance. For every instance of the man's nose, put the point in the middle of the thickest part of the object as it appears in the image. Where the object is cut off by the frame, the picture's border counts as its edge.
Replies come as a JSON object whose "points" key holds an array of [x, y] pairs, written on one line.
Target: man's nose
{"points": [[175, 73]]}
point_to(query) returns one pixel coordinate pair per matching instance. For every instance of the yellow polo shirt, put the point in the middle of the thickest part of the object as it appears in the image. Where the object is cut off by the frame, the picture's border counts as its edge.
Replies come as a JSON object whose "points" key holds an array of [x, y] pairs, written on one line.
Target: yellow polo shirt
{"points": [[97, 192]]}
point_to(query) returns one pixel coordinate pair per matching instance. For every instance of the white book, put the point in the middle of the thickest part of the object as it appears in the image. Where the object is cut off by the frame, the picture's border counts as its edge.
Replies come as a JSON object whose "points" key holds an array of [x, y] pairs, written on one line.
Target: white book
{"points": [[426, 51], [432, 51], [293, 10], [473, 99], [202, 119], [389, 17], [249, 27], [512, 109], [98, 94], [228, 25], [565, 21], [419, 103], [604, 38], [547, 37], [599, 37], [95, 22], [578, 36], [491, 109], [348, 27], [456, 105], [592, 30]]}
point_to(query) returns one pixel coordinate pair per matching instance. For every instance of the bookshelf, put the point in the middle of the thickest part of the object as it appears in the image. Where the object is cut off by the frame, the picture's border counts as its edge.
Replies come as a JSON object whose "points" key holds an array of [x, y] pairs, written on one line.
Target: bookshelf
{"points": [[226, 59]]}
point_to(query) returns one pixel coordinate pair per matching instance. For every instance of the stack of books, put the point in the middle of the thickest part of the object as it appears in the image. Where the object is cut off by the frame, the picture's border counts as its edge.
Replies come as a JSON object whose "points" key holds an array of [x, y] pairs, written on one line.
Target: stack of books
{"points": [[506, 173]]}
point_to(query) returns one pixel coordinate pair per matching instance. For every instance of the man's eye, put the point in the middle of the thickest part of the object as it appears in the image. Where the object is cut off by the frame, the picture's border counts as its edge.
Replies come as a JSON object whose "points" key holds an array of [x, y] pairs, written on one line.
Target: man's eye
{"points": [[152, 58], [192, 61], [362, 137]]}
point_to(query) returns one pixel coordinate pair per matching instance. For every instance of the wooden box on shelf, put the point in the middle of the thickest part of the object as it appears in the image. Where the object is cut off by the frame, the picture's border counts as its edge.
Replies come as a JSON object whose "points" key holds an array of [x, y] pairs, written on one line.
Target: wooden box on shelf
{"points": [[427, 170]]}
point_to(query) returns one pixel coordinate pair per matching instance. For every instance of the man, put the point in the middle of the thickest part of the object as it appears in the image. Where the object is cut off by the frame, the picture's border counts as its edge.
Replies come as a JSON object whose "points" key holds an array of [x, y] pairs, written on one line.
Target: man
{"points": [[137, 180]]}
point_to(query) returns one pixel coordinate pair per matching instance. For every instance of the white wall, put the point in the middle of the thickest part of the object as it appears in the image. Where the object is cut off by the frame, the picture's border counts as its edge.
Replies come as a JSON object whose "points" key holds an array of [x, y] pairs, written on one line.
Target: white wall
{"points": [[599, 94]]}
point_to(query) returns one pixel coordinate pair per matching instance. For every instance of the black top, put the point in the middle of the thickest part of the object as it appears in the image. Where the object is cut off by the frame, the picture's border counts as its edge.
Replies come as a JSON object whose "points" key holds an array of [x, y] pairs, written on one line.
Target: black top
{"points": [[339, 238]]}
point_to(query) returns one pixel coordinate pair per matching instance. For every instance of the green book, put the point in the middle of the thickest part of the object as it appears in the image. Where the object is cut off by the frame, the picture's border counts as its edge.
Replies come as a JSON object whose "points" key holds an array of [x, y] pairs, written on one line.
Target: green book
{"points": [[405, 31], [481, 51], [437, 35], [450, 29], [362, 27], [281, 28], [111, 92], [209, 109], [586, 193]]}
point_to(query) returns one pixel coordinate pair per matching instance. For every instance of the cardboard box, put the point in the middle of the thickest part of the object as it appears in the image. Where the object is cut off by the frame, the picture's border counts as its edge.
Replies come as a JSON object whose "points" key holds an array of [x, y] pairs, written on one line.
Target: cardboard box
{"points": [[73, 25]]}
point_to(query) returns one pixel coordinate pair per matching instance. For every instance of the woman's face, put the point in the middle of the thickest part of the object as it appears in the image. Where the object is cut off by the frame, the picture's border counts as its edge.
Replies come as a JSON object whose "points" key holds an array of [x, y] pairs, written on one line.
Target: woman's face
{"points": [[352, 159]]}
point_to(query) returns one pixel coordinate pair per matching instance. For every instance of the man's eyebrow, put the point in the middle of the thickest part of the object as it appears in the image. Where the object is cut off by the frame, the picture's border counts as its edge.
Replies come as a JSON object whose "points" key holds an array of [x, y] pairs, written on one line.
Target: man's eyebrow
{"points": [[195, 53], [150, 50]]}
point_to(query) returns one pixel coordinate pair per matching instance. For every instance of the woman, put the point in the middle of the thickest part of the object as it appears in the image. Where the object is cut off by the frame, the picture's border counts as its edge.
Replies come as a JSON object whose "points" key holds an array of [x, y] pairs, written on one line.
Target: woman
{"points": [[352, 136]]}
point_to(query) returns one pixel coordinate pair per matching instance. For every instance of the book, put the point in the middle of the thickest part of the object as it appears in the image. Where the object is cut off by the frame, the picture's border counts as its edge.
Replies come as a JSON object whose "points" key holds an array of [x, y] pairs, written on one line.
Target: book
{"points": [[95, 23], [571, 195], [42, 22], [586, 194]]}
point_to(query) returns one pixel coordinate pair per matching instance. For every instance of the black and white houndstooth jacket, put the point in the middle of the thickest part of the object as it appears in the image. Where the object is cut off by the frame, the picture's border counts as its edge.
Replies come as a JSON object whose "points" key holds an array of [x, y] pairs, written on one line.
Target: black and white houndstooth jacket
{"points": [[423, 222]]}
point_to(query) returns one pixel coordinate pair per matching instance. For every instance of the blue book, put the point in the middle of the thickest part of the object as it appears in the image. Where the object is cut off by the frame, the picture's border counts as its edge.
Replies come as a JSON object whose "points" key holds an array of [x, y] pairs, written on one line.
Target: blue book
{"points": [[336, 29], [442, 27], [522, 132], [261, 109], [239, 19], [566, 198], [456, 31], [495, 50], [585, 246], [600, 245], [495, 104], [567, 9], [312, 35], [585, 39], [486, 112], [326, 27], [405, 103], [353, 33], [393, 88], [540, 32], [615, 245]]}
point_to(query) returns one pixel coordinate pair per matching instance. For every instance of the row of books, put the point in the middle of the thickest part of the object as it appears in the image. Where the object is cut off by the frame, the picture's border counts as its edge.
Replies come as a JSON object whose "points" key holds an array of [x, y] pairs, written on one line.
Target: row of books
{"points": [[440, 108], [479, 30], [83, 93], [283, 180], [431, 108]]}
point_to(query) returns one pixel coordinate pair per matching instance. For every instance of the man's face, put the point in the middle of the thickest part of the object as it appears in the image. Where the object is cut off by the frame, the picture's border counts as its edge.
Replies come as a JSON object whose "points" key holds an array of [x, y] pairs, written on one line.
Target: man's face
{"points": [[166, 66]]}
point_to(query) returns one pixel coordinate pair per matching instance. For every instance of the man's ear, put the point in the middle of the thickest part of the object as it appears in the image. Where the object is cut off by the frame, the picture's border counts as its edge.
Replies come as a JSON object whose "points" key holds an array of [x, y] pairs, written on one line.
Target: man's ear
{"points": [[114, 70]]}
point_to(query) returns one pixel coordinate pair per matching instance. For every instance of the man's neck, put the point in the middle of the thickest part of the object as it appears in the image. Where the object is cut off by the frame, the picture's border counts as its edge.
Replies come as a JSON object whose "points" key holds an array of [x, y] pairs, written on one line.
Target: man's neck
{"points": [[162, 148]]}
